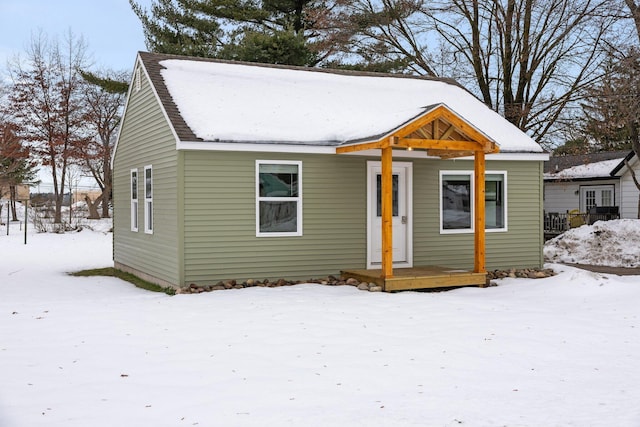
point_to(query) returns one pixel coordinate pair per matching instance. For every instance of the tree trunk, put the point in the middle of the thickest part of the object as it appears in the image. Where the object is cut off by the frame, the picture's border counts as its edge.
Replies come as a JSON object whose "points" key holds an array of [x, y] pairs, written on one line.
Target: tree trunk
{"points": [[57, 216], [93, 207], [14, 214], [105, 203]]}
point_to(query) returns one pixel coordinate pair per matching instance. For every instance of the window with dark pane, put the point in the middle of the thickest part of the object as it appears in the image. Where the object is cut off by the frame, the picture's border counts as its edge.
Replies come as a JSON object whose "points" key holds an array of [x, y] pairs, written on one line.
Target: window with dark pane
{"points": [[394, 192]]}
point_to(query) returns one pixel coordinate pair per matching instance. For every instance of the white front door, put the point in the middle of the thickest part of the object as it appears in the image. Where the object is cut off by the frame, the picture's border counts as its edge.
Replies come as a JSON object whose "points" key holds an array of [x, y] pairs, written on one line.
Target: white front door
{"points": [[402, 209]]}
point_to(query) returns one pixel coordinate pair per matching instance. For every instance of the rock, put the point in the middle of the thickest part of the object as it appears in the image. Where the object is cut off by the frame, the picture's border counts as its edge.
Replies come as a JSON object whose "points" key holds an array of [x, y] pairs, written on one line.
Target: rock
{"points": [[238, 286], [363, 286], [251, 282], [352, 282], [375, 289], [281, 282], [217, 287], [229, 284], [540, 274]]}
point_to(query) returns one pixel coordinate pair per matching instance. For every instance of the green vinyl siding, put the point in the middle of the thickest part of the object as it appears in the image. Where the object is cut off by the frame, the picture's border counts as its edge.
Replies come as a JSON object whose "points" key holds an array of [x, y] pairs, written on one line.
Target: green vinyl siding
{"points": [[146, 139], [520, 246], [220, 214], [220, 218]]}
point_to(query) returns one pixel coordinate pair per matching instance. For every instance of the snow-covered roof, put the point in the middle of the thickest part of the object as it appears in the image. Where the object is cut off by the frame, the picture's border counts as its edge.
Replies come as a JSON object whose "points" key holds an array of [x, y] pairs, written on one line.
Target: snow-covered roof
{"points": [[212, 100], [589, 170]]}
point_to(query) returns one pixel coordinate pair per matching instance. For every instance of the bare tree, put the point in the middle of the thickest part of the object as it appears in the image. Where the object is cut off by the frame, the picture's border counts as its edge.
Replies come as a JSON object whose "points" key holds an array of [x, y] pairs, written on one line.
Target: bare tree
{"points": [[633, 111], [104, 102], [47, 100], [527, 59]]}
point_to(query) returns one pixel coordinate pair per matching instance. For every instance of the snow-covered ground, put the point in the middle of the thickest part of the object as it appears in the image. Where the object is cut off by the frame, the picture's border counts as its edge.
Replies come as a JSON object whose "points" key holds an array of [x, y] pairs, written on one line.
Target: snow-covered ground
{"points": [[610, 243], [561, 351]]}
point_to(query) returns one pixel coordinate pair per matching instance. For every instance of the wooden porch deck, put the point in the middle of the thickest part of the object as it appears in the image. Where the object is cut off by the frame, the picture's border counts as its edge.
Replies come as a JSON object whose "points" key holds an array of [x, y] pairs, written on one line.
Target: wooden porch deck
{"points": [[426, 277]]}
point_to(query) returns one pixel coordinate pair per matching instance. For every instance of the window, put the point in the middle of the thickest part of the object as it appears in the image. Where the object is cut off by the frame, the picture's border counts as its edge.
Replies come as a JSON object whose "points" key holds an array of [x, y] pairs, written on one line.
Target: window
{"points": [[456, 195], [134, 199], [148, 200], [592, 196], [279, 198]]}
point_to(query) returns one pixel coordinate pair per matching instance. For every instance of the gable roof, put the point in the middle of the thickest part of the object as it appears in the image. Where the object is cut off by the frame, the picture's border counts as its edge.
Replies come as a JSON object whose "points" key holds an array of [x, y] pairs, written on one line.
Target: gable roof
{"points": [[210, 100], [580, 167], [556, 164], [617, 171]]}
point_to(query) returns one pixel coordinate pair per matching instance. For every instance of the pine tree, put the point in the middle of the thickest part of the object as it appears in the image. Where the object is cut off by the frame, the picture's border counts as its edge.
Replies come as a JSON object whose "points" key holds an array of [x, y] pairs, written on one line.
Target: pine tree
{"points": [[291, 32], [173, 27], [612, 113]]}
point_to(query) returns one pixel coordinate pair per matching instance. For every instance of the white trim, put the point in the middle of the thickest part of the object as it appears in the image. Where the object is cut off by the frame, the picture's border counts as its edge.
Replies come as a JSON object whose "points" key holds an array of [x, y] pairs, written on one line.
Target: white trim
{"points": [[472, 201], [297, 199], [408, 166], [323, 149], [419, 154], [624, 169], [135, 202], [140, 65], [255, 147], [148, 202]]}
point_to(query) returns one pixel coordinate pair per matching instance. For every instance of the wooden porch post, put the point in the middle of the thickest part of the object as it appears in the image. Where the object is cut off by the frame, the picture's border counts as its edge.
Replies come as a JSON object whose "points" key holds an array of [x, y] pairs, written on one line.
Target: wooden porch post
{"points": [[479, 241], [387, 211]]}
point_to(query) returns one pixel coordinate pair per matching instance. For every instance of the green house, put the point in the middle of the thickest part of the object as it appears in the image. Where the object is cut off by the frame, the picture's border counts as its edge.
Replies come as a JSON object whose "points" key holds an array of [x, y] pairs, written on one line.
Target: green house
{"points": [[240, 171]]}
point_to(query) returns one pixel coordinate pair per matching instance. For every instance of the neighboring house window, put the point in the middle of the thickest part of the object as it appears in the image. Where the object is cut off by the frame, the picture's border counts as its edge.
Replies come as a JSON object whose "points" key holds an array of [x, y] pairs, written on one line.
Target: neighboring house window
{"points": [[592, 196], [456, 201], [134, 199], [148, 199], [279, 198]]}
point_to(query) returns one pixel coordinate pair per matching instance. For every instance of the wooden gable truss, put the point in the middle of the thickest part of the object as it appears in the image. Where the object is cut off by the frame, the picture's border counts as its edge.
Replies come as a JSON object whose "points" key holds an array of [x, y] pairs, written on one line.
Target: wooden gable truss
{"points": [[441, 133]]}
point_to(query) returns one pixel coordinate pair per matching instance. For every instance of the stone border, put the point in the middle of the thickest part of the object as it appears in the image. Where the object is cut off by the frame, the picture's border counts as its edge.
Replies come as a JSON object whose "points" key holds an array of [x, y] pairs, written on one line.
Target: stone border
{"points": [[528, 273]]}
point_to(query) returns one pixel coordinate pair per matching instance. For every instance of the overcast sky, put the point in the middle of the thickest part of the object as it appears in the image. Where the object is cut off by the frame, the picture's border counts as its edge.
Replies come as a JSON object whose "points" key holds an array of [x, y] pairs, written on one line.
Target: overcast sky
{"points": [[111, 30]]}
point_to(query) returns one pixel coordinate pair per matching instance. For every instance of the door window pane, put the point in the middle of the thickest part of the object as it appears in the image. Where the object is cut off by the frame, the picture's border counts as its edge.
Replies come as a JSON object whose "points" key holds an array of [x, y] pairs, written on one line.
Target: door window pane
{"points": [[394, 194], [590, 198]]}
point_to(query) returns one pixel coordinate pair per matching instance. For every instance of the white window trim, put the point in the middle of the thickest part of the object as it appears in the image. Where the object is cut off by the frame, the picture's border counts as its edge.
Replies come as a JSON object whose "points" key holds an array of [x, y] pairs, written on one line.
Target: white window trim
{"points": [[298, 199], [148, 201], [134, 202], [582, 202], [472, 201]]}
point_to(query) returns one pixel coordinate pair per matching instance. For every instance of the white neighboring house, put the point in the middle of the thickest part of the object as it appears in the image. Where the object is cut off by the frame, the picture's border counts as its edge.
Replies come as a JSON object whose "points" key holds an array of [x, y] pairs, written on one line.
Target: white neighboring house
{"points": [[581, 183], [629, 194]]}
